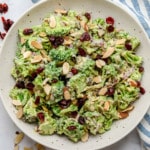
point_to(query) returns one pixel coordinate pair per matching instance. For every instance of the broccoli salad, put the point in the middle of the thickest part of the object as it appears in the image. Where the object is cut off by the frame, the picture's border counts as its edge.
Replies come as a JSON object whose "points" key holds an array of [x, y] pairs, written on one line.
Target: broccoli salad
{"points": [[75, 75]]}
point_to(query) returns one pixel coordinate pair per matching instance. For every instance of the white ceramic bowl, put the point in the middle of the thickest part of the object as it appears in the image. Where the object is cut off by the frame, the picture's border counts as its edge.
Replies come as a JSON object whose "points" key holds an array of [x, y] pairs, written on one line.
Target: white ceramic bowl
{"points": [[99, 8]]}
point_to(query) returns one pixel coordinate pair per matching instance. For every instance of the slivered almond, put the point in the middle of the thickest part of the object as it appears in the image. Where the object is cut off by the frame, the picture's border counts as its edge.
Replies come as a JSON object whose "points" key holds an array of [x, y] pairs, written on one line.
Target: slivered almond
{"points": [[128, 109], [52, 22], [132, 82], [19, 113], [36, 59], [120, 42], [47, 89], [106, 105], [100, 63], [19, 138], [16, 147], [66, 68], [108, 52], [61, 11], [97, 79], [16, 103], [85, 137], [27, 54], [123, 115], [103, 91], [67, 95], [37, 45], [42, 34]]}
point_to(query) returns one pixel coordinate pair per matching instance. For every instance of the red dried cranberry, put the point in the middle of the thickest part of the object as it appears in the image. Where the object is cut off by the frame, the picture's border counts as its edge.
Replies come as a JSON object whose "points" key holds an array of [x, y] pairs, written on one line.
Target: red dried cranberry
{"points": [[71, 128], [138, 83], [74, 71], [85, 37], [37, 100], [7, 23], [1, 8], [41, 116], [142, 90], [2, 35], [110, 20], [39, 70], [54, 81], [141, 69], [20, 84], [81, 120], [74, 114], [64, 103], [56, 40], [88, 15], [81, 51], [81, 102], [111, 91], [5, 7], [110, 28], [128, 45], [30, 86], [28, 31]]}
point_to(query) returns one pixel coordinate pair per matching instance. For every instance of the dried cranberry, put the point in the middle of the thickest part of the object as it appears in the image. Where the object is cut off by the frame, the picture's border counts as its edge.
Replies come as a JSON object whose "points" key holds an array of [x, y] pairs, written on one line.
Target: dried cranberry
{"points": [[98, 56], [128, 45], [81, 102], [7, 23], [88, 15], [138, 83], [85, 37], [81, 51], [71, 128], [5, 7], [20, 84], [54, 81], [110, 20], [33, 76], [142, 90], [56, 40], [111, 91], [74, 71], [81, 120], [37, 100], [28, 31], [39, 70], [64, 103], [110, 28], [141, 69], [2, 35], [41, 116], [30, 86], [74, 114], [1, 8]]}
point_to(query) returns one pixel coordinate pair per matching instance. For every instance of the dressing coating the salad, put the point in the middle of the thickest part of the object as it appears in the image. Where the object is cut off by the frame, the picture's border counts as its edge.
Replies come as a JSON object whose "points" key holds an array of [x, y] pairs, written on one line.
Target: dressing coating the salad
{"points": [[75, 75]]}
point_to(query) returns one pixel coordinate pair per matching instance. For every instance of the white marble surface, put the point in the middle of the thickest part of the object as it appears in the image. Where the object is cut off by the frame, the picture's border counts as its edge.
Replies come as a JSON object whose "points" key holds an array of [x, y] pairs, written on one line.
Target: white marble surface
{"points": [[8, 128]]}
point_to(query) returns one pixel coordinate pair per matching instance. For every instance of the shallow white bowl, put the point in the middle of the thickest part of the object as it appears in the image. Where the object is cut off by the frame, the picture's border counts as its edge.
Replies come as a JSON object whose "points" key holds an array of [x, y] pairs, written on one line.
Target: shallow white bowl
{"points": [[99, 8]]}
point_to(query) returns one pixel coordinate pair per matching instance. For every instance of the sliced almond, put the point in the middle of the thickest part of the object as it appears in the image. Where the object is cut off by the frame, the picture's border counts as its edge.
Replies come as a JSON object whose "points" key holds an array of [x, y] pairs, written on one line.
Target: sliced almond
{"points": [[100, 63], [36, 59], [45, 81], [120, 42], [97, 79], [19, 138], [37, 45], [106, 105], [67, 41], [108, 52], [123, 115], [130, 108], [19, 113], [16, 103], [132, 82], [101, 32], [44, 55], [39, 146], [27, 54], [66, 68], [52, 22], [103, 91], [47, 89], [42, 34], [16, 147], [67, 95], [83, 24], [85, 137], [61, 11]]}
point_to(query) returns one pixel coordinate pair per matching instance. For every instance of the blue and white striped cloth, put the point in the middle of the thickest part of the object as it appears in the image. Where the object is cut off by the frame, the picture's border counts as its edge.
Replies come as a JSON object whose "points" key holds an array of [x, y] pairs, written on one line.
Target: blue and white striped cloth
{"points": [[141, 9]]}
